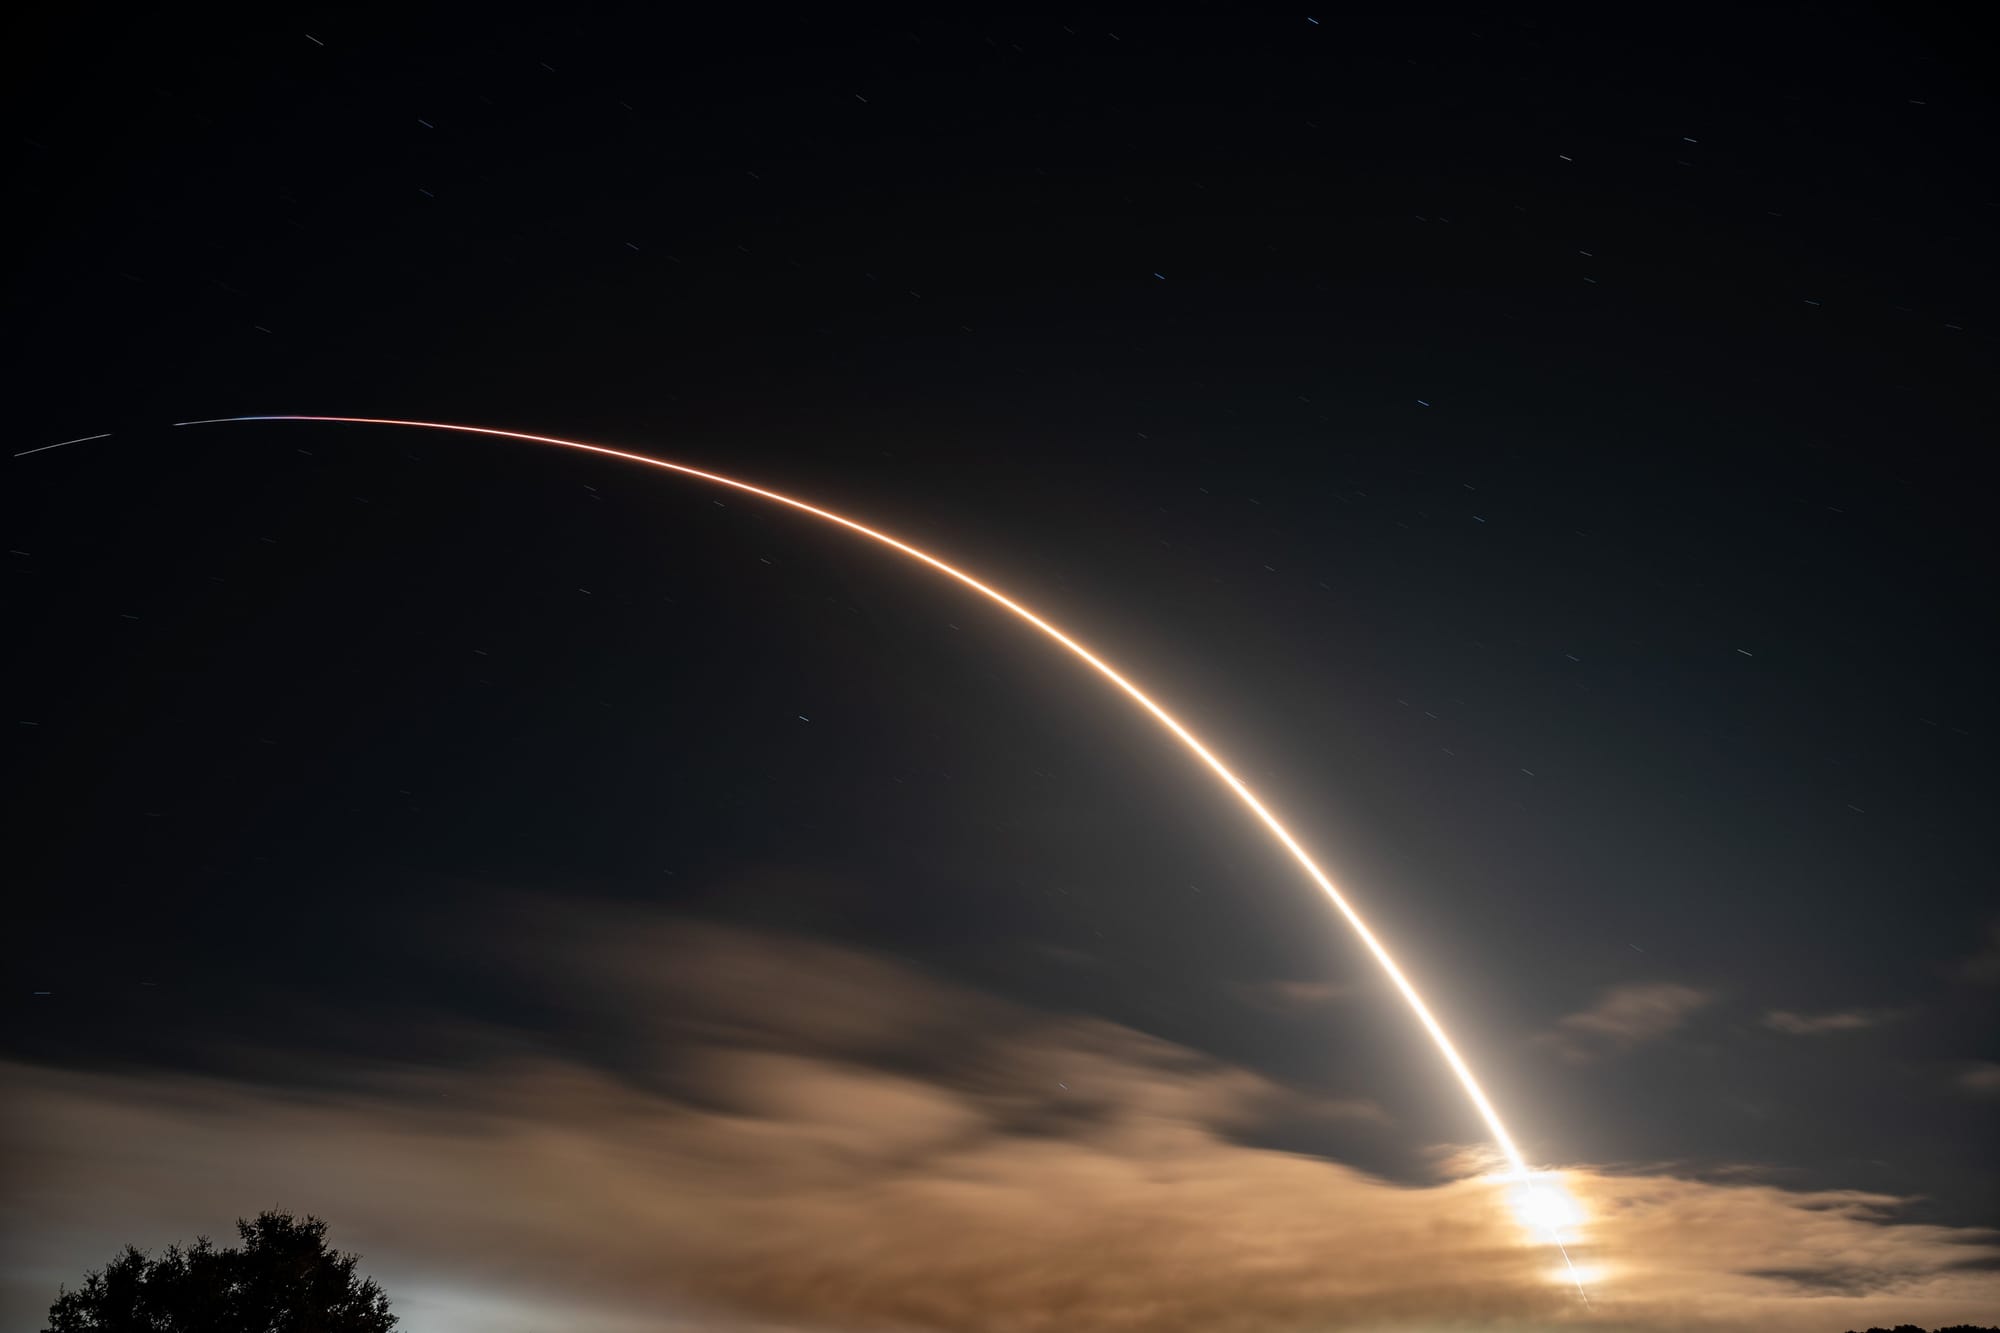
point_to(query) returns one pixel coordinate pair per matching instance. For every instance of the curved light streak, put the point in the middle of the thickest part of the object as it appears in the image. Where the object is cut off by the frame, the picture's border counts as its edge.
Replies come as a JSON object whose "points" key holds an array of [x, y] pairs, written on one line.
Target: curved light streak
{"points": [[1503, 1140]]}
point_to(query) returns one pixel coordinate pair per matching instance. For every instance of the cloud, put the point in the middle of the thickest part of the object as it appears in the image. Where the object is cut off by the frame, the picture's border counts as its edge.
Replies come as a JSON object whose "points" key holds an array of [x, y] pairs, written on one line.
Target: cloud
{"points": [[1816, 1025], [1981, 1078], [799, 1137], [1293, 997], [1626, 1016], [1983, 967]]}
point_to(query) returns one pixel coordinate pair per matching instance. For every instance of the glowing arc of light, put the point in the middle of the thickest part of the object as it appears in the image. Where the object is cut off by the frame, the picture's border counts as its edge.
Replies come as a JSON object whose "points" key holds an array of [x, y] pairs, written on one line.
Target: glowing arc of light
{"points": [[1501, 1138], [1477, 1095], [81, 439]]}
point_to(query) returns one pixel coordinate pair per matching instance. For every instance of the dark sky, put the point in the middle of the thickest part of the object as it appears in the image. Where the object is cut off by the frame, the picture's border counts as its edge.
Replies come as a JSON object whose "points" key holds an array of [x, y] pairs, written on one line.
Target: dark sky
{"points": [[1545, 453]]}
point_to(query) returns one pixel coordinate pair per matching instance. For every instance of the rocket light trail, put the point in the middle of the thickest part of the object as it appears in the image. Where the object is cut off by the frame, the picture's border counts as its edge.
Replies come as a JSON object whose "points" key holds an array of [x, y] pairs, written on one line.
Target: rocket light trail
{"points": [[1502, 1139], [81, 439]]}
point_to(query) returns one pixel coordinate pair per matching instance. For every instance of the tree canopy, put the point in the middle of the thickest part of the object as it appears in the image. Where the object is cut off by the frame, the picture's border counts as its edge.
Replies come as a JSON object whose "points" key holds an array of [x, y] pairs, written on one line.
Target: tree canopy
{"points": [[283, 1278]]}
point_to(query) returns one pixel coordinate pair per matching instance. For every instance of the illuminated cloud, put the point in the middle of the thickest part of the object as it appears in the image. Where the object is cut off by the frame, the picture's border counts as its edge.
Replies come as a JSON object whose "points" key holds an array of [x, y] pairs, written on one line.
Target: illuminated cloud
{"points": [[1293, 997], [1981, 1078], [800, 1137], [1817, 1025], [1626, 1016], [1983, 967]]}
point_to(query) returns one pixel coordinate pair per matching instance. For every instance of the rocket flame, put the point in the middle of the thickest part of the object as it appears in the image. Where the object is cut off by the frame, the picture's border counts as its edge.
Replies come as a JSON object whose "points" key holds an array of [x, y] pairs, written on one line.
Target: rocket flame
{"points": [[1503, 1140], [1544, 1206]]}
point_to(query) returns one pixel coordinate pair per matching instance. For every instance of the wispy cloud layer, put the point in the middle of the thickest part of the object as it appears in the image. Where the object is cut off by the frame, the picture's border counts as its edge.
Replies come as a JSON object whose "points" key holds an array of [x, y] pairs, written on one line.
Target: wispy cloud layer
{"points": [[1626, 1016], [1983, 967], [807, 1138], [1293, 997], [1819, 1025], [1981, 1078]]}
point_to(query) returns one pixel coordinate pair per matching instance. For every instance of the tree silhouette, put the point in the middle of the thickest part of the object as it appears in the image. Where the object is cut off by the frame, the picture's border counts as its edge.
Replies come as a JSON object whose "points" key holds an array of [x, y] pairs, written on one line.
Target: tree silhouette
{"points": [[283, 1279]]}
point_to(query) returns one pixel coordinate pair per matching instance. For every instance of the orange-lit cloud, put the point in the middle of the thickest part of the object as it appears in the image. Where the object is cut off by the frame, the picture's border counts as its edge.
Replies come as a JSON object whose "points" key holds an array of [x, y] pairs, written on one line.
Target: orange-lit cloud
{"points": [[809, 1138], [1626, 1016], [1819, 1025], [1294, 997], [1983, 967]]}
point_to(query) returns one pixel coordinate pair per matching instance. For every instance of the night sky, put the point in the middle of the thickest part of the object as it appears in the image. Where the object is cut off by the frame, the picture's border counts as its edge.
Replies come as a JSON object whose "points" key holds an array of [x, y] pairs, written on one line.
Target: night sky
{"points": [[1544, 453]]}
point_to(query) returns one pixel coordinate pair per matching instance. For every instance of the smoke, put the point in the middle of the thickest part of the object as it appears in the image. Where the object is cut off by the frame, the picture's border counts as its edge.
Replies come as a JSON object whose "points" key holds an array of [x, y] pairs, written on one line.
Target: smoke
{"points": [[797, 1136]]}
